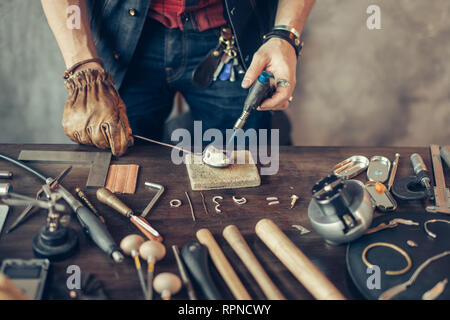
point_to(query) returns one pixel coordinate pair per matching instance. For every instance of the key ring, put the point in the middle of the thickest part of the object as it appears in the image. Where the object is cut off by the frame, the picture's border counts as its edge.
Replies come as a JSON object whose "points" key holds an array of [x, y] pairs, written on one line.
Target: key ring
{"points": [[394, 247]]}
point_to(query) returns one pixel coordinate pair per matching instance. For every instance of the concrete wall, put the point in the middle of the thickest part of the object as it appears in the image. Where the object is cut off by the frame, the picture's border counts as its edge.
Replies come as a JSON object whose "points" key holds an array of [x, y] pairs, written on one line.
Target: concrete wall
{"points": [[355, 86]]}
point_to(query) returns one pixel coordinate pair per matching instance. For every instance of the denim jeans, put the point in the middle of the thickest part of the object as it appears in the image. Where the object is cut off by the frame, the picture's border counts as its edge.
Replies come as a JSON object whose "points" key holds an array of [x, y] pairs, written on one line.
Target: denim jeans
{"points": [[162, 65]]}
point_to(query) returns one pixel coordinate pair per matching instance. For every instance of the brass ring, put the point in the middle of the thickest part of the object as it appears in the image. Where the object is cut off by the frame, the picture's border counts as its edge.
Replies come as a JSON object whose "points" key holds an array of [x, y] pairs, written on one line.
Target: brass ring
{"points": [[394, 247]]}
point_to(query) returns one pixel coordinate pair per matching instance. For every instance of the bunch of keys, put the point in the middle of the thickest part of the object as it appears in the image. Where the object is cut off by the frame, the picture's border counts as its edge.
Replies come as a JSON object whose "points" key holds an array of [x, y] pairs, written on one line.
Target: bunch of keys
{"points": [[229, 63]]}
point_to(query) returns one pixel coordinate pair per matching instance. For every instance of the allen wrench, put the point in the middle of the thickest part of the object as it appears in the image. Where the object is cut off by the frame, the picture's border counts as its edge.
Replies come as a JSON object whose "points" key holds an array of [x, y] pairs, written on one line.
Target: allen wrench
{"points": [[160, 189]]}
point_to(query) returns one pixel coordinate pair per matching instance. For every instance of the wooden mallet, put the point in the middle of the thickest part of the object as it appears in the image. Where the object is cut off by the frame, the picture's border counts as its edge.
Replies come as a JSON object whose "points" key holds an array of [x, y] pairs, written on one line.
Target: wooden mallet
{"points": [[225, 269], [152, 252], [297, 263], [167, 284], [237, 242], [130, 246]]}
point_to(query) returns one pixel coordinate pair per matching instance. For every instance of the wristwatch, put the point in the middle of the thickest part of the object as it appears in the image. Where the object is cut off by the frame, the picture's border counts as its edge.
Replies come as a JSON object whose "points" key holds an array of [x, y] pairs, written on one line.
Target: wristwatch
{"points": [[288, 33]]}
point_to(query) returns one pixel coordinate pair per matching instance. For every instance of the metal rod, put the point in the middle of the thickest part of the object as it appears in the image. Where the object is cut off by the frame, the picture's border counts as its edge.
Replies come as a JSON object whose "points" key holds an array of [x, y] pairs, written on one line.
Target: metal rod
{"points": [[184, 275], [393, 171], [190, 205], [162, 143], [160, 189], [204, 203]]}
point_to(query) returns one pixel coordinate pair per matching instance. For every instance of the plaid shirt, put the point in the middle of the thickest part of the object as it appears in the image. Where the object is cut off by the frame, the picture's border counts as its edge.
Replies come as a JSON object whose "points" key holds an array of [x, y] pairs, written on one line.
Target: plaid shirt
{"points": [[202, 14]]}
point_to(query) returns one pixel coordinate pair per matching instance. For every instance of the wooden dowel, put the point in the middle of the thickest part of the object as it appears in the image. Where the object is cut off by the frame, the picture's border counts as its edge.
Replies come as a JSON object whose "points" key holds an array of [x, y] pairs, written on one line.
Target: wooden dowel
{"points": [[225, 269], [234, 237], [296, 262]]}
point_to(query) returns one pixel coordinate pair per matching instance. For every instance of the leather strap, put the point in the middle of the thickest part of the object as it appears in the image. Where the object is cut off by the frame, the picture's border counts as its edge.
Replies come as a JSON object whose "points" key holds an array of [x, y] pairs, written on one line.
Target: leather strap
{"points": [[69, 72], [285, 35]]}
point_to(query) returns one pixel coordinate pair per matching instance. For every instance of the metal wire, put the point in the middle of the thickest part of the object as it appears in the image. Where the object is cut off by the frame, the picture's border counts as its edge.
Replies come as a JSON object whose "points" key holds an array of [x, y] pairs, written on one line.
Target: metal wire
{"points": [[23, 166]]}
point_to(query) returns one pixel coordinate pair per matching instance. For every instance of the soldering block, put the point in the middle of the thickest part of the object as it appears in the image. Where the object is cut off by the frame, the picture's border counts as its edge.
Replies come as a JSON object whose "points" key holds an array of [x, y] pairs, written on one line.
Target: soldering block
{"points": [[240, 174]]}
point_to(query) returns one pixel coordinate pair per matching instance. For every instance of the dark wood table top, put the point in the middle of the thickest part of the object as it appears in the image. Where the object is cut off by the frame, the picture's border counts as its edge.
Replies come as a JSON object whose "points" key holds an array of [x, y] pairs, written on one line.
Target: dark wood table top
{"points": [[300, 168]]}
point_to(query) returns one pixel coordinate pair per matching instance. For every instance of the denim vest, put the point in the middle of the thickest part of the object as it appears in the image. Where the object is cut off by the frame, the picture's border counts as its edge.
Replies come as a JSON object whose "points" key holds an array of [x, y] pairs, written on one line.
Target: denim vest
{"points": [[117, 25]]}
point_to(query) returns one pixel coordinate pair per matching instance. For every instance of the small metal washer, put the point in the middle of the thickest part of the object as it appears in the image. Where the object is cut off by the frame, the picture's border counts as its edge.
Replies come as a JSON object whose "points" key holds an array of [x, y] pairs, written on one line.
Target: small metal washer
{"points": [[175, 203]]}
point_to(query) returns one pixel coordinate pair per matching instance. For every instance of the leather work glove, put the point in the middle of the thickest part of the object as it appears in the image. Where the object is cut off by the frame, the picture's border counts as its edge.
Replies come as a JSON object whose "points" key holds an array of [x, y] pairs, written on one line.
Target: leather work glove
{"points": [[94, 113]]}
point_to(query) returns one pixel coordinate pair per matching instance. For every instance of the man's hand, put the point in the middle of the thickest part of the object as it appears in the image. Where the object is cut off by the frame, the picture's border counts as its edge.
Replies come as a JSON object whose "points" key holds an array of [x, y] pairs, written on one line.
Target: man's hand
{"points": [[95, 114], [278, 57]]}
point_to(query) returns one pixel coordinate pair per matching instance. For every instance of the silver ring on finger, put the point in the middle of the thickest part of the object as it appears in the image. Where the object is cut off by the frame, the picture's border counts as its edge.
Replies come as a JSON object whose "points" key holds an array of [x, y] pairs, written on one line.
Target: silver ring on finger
{"points": [[283, 83]]}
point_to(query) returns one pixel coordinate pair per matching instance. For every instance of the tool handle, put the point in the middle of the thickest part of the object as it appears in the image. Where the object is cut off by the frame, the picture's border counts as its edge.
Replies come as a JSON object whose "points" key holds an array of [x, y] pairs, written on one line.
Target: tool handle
{"points": [[418, 164], [233, 236], [297, 263], [144, 226], [225, 269], [99, 233], [107, 197], [195, 257]]}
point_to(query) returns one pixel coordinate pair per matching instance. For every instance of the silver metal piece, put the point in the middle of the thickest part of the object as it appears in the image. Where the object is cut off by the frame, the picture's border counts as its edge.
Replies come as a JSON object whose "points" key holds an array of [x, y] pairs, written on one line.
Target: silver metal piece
{"points": [[240, 122], [5, 174], [117, 256], [232, 73], [223, 61], [441, 193], [216, 158], [272, 198], [214, 199], [326, 220], [204, 203], [5, 189], [3, 215], [291, 98], [412, 243], [432, 234], [300, 228], [283, 83], [294, 199], [160, 189], [175, 203], [384, 201], [190, 205], [272, 203], [417, 163], [378, 169], [351, 167], [16, 199], [240, 201]]}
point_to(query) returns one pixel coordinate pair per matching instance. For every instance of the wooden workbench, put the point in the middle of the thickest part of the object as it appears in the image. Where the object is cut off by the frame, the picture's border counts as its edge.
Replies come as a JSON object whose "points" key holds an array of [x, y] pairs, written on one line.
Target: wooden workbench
{"points": [[300, 168]]}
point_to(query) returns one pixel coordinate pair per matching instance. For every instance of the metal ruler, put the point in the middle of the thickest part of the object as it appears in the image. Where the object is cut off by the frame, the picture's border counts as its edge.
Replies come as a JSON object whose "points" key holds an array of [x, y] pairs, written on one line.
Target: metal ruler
{"points": [[441, 192], [3, 214], [99, 162]]}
